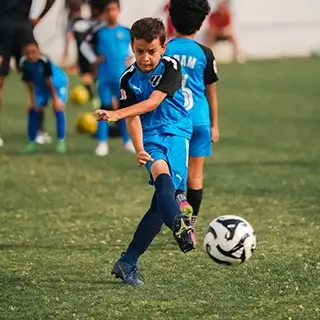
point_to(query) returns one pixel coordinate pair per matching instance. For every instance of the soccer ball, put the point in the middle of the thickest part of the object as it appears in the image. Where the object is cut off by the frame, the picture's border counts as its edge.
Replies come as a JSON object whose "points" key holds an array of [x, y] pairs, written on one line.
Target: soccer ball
{"points": [[79, 95], [229, 240], [86, 123]]}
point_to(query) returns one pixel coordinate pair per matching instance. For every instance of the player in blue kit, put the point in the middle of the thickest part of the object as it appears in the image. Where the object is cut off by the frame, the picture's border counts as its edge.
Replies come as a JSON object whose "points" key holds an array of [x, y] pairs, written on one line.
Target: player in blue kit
{"points": [[160, 128], [109, 51], [44, 81], [199, 74]]}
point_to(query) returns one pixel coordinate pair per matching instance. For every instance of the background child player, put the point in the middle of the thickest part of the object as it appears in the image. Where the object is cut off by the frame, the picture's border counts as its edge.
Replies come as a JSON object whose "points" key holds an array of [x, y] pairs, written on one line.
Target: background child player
{"points": [[109, 51], [78, 28], [199, 77], [44, 80], [151, 88]]}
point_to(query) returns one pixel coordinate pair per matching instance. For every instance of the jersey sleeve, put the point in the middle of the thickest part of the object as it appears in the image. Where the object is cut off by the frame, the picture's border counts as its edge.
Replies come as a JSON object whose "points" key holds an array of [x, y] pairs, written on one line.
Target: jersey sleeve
{"points": [[47, 69], [171, 78], [210, 72], [127, 96], [89, 45]]}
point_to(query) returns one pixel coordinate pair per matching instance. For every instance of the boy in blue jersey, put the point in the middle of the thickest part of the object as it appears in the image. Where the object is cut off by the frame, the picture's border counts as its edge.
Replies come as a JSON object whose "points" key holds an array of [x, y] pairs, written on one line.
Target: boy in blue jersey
{"points": [[109, 51], [160, 128], [44, 81], [198, 86]]}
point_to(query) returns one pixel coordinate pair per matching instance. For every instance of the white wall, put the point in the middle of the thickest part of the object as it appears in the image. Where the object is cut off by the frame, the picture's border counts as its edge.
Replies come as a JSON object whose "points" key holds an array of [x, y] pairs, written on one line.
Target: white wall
{"points": [[264, 28]]}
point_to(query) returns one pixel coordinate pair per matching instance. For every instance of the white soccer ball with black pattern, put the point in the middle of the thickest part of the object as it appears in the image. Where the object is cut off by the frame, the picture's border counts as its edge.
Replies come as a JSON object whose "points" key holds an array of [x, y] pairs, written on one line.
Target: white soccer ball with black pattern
{"points": [[230, 240]]}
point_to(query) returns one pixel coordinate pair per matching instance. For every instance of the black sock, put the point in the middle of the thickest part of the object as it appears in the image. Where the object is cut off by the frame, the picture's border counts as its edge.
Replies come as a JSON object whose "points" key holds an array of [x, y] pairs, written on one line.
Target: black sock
{"points": [[90, 90], [194, 197], [167, 205], [40, 116]]}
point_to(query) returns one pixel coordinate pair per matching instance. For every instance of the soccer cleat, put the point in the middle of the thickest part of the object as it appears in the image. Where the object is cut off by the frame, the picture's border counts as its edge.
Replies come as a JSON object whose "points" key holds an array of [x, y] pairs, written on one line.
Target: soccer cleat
{"points": [[102, 149], [128, 273], [29, 148], [182, 232], [61, 147], [186, 208], [1, 142], [129, 146]]}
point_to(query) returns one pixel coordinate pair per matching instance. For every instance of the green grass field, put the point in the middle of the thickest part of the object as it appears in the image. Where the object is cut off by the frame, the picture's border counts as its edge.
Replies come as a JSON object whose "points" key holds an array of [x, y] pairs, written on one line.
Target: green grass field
{"points": [[66, 219]]}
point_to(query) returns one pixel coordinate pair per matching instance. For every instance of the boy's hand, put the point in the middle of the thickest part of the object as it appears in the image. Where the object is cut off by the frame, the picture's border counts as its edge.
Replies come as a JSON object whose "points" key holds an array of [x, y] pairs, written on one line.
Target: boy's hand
{"points": [[109, 116], [143, 157], [215, 134], [57, 104]]}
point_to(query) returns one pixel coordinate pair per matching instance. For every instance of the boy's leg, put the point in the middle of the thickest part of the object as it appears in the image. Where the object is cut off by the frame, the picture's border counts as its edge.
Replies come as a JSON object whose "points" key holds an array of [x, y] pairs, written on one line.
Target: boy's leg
{"points": [[105, 95], [61, 121], [200, 147], [149, 226], [169, 173], [127, 143]]}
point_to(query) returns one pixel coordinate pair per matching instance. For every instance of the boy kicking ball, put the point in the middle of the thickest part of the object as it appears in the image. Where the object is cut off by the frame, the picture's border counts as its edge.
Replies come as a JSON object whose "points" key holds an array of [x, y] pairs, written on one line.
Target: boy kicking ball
{"points": [[160, 128], [44, 81]]}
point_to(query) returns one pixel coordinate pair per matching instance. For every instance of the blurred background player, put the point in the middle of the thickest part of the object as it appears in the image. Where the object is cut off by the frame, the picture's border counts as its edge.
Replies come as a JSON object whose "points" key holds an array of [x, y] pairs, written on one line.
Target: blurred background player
{"points": [[15, 27], [44, 81], [108, 49], [160, 128], [199, 76], [220, 28], [78, 28]]}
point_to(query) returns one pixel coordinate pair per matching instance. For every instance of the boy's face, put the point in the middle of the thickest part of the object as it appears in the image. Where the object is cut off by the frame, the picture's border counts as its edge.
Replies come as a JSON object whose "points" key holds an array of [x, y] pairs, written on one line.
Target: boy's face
{"points": [[32, 53], [112, 13], [147, 54]]}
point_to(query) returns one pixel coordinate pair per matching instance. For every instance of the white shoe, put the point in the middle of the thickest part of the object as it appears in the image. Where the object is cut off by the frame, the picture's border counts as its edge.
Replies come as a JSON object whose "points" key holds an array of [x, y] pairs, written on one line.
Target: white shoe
{"points": [[102, 149], [129, 146], [1, 142]]}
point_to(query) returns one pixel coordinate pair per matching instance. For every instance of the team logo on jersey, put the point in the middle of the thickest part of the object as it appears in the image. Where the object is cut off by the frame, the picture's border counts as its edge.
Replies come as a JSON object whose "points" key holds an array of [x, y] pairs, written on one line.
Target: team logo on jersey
{"points": [[123, 94], [119, 35], [155, 80]]}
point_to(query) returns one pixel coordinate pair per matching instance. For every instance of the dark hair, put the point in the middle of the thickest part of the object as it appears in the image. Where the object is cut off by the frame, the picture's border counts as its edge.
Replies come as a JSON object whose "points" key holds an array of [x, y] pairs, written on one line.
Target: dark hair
{"points": [[98, 5], [187, 16], [28, 41], [113, 1], [148, 29]]}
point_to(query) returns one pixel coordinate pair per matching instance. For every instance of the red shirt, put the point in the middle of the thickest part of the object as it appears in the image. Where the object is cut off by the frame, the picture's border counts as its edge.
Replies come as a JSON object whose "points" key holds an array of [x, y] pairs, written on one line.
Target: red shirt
{"points": [[220, 19], [170, 28]]}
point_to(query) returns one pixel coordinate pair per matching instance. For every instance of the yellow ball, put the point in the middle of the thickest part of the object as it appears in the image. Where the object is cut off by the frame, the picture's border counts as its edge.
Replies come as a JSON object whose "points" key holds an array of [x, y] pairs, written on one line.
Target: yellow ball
{"points": [[79, 95], [86, 123]]}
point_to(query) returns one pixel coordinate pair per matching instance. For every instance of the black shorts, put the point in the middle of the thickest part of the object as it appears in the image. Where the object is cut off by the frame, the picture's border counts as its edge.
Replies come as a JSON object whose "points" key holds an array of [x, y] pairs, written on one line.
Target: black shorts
{"points": [[12, 37], [83, 64]]}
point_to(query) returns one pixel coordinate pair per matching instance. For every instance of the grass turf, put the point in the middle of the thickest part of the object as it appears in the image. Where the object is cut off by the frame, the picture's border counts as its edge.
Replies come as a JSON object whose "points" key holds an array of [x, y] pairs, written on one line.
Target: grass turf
{"points": [[65, 219]]}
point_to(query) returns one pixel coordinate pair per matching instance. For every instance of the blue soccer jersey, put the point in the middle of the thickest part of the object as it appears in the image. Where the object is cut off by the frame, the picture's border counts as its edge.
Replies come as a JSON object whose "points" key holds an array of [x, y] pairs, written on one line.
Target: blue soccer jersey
{"points": [[40, 71], [170, 117], [198, 68], [114, 44]]}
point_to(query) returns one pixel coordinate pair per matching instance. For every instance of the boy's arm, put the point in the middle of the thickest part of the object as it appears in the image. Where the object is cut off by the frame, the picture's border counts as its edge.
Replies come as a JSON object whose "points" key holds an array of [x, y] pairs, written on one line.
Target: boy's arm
{"points": [[27, 78], [48, 74], [168, 85], [88, 48], [135, 132], [210, 78]]}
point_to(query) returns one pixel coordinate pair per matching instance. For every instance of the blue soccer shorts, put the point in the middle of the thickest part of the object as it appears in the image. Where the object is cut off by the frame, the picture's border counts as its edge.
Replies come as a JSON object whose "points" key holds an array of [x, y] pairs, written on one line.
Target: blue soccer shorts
{"points": [[200, 142], [106, 91], [43, 96], [174, 150]]}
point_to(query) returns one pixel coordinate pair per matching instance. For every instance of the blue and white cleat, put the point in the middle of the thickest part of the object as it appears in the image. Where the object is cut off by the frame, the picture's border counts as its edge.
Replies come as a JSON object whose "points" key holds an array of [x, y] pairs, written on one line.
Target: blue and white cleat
{"points": [[128, 273]]}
